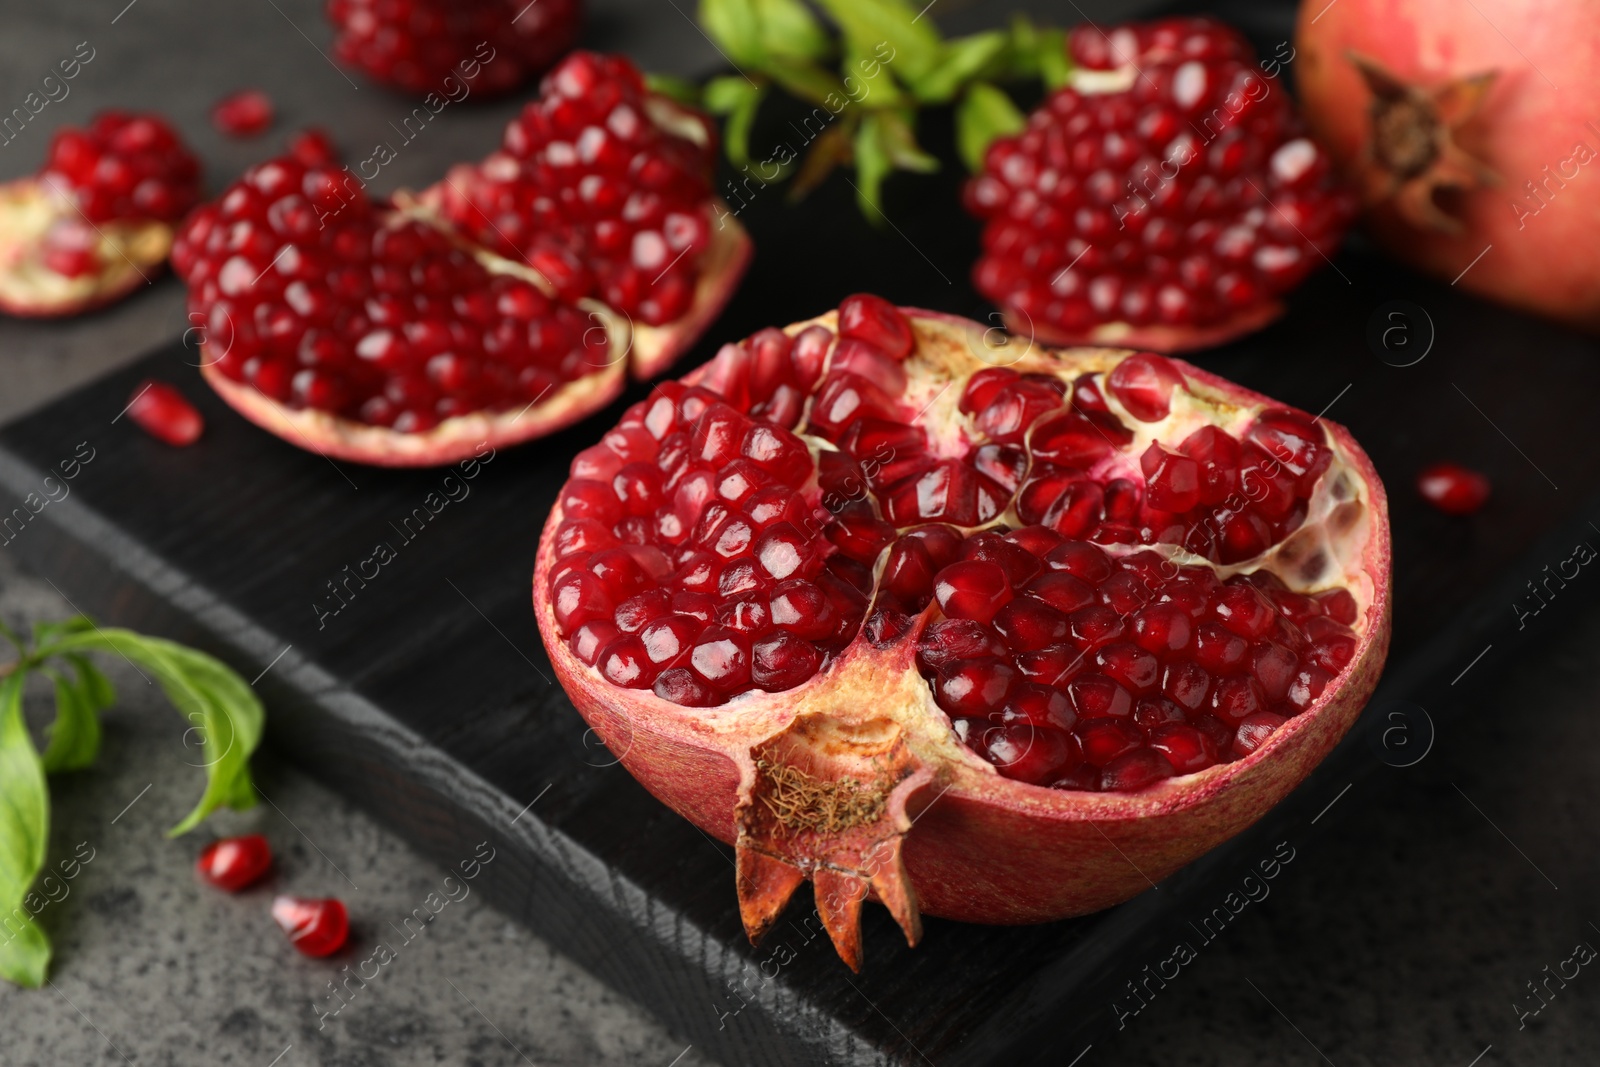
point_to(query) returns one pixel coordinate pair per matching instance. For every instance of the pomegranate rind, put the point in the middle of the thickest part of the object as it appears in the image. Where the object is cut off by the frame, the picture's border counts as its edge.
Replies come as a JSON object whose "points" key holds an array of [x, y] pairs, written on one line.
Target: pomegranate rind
{"points": [[131, 252], [983, 848], [454, 439]]}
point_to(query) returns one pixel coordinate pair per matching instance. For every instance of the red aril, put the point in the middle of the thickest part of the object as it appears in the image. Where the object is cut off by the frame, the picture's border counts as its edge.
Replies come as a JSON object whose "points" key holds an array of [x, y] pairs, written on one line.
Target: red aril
{"points": [[1046, 698], [316, 926], [379, 332], [165, 414], [243, 114], [235, 862], [97, 221], [1452, 488], [1165, 198]]}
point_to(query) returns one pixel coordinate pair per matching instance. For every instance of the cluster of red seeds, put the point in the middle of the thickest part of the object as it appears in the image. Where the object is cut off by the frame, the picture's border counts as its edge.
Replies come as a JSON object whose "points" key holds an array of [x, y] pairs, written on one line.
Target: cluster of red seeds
{"points": [[1184, 200], [418, 44], [311, 295], [124, 166], [592, 193], [694, 559], [1065, 667]]}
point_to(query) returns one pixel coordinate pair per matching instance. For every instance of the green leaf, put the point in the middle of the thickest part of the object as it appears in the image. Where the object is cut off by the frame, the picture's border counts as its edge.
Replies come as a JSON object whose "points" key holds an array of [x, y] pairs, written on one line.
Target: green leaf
{"points": [[872, 166], [24, 829], [75, 735], [1055, 69], [788, 29], [736, 28], [891, 31], [963, 60], [899, 139], [984, 114], [735, 97], [868, 83], [809, 82], [101, 693], [679, 89], [215, 699]]}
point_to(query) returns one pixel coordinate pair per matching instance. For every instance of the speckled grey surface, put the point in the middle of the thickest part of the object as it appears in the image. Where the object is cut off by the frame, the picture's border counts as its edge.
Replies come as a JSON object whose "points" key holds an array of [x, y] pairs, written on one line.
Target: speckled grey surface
{"points": [[1405, 931]]}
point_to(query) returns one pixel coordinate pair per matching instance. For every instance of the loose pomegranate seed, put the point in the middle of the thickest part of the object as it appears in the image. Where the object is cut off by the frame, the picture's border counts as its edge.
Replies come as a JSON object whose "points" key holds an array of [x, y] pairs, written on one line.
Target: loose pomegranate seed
{"points": [[235, 862], [1175, 207], [317, 927], [705, 551], [1453, 489], [163, 413], [244, 114]]}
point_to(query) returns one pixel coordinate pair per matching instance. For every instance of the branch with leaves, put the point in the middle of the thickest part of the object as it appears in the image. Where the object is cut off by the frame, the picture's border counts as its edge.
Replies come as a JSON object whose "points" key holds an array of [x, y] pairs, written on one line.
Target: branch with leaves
{"points": [[222, 708], [872, 70]]}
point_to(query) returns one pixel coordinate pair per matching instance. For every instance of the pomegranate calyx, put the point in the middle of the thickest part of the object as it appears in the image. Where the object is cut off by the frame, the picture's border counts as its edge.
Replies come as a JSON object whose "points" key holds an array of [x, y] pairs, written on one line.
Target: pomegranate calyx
{"points": [[826, 798], [1412, 147]]}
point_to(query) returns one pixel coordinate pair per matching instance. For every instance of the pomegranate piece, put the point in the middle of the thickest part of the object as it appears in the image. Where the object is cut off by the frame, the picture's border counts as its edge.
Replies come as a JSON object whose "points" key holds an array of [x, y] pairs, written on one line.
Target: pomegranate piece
{"points": [[243, 114], [165, 414], [97, 221], [316, 926], [862, 600], [602, 187], [1452, 488], [379, 332], [233, 863], [441, 47], [1165, 198]]}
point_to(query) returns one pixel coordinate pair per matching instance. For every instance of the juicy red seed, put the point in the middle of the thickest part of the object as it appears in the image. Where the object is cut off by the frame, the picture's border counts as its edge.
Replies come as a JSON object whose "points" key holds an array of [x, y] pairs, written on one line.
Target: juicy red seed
{"points": [[1134, 771], [782, 661], [978, 687], [165, 414], [1144, 385], [971, 589], [124, 166], [1026, 752], [244, 114], [1253, 732], [234, 862], [1245, 611], [877, 322], [954, 640], [1105, 740], [1185, 748], [317, 927], [1452, 488]]}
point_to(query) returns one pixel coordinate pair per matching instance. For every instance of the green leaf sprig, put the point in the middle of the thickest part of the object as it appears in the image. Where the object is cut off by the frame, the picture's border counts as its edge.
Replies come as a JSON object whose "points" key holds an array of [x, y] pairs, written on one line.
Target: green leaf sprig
{"points": [[871, 76], [224, 711]]}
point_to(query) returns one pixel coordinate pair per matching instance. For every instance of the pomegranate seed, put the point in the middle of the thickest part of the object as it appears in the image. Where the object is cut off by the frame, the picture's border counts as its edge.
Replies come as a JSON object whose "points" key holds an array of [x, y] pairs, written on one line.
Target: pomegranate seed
{"points": [[233, 863], [124, 166], [1254, 731], [316, 926], [876, 322], [971, 589], [1453, 489], [163, 413], [244, 114]]}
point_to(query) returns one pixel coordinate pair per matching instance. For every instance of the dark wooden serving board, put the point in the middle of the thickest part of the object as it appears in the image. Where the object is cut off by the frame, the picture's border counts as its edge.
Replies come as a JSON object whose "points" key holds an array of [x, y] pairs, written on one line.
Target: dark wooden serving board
{"points": [[427, 696]]}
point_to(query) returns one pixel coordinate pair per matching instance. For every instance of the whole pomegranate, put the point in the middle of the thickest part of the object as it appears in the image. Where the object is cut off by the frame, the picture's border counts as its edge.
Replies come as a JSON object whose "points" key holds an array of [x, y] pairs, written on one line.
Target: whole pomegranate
{"points": [[386, 333], [1165, 198], [97, 221], [1463, 130], [990, 635], [427, 46]]}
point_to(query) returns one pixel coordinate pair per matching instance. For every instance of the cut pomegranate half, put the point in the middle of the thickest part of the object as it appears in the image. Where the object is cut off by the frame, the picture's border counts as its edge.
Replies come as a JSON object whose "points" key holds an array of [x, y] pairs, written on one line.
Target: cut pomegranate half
{"points": [[97, 220], [1166, 198], [384, 334], [1080, 615]]}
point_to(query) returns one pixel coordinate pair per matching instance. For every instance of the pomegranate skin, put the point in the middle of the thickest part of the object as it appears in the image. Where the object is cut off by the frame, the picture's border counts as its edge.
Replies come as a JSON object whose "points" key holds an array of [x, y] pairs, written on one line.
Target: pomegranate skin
{"points": [[971, 844], [1545, 254]]}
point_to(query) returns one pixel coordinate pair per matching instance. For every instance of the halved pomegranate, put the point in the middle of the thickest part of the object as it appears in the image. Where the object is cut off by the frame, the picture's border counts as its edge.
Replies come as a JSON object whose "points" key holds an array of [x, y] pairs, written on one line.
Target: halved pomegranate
{"points": [[1078, 615], [1166, 198], [97, 220], [384, 333]]}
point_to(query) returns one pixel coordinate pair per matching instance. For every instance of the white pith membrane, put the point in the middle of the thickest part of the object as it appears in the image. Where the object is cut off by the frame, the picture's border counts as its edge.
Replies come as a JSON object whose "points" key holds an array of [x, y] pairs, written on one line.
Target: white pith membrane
{"points": [[127, 252], [645, 350], [869, 720]]}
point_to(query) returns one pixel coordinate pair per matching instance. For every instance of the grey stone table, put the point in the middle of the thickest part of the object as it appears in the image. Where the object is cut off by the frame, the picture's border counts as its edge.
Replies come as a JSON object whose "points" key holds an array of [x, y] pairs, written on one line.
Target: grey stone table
{"points": [[1407, 930]]}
